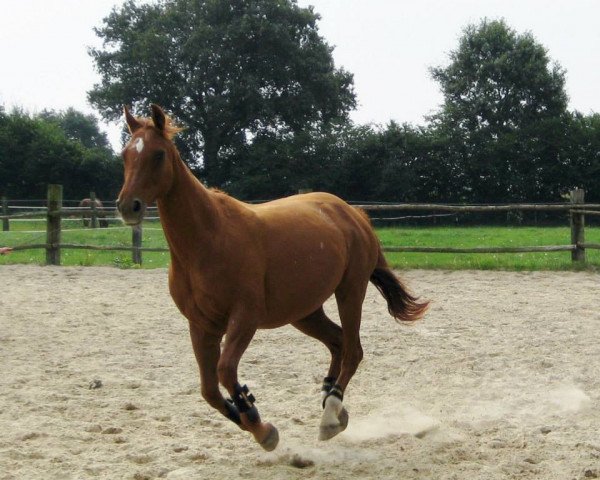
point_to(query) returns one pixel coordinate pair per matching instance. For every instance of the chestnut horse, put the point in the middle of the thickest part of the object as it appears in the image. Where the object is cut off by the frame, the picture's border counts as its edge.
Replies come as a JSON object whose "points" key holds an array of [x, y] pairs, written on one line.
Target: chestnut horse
{"points": [[237, 267], [87, 203]]}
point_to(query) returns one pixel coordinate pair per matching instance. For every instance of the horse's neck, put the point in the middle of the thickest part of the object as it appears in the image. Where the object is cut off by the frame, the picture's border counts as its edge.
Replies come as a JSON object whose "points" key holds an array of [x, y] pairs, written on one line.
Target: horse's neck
{"points": [[189, 215]]}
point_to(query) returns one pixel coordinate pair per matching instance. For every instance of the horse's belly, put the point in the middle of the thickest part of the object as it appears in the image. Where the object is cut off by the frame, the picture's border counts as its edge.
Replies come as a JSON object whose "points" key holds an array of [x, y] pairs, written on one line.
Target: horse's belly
{"points": [[298, 291]]}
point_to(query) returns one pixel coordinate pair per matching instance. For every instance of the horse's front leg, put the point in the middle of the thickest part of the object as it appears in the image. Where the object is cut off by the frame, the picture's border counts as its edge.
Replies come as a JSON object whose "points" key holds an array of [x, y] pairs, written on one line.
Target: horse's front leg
{"points": [[207, 349], [237, 339]]}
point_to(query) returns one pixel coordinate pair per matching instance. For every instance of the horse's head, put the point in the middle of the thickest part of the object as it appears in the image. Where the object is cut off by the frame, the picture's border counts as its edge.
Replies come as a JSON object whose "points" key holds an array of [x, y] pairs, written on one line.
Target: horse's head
{"points": [[149, 160]]}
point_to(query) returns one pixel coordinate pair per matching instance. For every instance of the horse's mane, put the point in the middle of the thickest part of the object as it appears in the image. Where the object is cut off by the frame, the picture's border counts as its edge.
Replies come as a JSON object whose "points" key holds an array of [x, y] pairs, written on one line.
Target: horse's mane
{"points": [[169, 131], [218, 190]]}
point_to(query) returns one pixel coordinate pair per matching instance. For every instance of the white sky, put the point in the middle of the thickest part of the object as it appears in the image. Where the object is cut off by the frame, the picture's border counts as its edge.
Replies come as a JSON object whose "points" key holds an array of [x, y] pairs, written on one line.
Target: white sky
{"points": [[387, 44]]}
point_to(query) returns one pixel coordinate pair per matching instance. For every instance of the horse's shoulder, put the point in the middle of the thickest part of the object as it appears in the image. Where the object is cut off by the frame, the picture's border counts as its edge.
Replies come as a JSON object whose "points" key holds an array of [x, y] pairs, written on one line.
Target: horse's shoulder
{"points": [[233, 210]]}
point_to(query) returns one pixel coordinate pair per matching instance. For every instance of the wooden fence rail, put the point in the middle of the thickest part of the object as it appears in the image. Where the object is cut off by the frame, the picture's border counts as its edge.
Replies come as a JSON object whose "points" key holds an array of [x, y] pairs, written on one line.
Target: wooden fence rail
{"points": [[479, 208], [53, 214], [577, 209], [538, 248]]}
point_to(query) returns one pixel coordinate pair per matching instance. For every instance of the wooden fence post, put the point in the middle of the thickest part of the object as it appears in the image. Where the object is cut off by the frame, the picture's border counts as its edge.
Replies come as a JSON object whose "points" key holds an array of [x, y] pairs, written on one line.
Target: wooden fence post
{"points": [[5, 221], [578, 226], [55, 193], [136, 243], [94, 210]]}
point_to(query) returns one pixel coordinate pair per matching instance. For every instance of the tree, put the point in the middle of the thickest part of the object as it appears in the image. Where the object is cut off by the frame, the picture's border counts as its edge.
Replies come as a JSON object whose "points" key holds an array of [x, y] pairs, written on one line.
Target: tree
{"points": [[580, 155], [504, 106], [80, 127], [399, 163], [414, 166], [35, 151], [229, 70]]}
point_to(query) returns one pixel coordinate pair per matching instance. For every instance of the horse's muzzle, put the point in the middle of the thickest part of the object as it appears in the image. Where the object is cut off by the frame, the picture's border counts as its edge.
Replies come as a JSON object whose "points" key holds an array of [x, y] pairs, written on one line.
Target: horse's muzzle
{"points": [[132, 210]]}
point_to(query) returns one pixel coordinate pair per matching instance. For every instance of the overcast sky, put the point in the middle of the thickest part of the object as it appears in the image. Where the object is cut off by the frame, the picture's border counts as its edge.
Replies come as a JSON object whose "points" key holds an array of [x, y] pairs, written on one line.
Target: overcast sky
{"points": [[388, 45]]}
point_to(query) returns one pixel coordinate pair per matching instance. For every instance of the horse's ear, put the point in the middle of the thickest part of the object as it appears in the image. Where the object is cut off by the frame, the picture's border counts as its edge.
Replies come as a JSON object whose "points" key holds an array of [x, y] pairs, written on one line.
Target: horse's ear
{"points": [[158, 117], [132, 122]]}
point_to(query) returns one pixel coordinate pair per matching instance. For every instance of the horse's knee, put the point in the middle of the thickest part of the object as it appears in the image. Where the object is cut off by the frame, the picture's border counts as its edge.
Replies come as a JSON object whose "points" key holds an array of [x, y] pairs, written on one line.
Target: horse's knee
{"points": [[212, 396], [360, 354], [227, 372], [353, 357]]}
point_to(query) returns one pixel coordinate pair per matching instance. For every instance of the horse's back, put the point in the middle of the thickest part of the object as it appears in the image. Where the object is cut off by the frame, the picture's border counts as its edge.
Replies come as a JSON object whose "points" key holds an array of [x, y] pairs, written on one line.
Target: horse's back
{"points": [[320, 204], [315, 213]]}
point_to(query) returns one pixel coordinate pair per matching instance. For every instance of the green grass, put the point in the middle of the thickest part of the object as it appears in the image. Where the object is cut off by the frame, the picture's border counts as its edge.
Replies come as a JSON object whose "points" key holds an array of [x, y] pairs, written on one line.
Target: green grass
{"points": [[465, 237], [23, 233]]}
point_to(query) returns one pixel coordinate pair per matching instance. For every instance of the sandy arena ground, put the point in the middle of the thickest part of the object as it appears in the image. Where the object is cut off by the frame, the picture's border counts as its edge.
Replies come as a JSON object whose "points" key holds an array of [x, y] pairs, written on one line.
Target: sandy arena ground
{"points": [[500, 381]]}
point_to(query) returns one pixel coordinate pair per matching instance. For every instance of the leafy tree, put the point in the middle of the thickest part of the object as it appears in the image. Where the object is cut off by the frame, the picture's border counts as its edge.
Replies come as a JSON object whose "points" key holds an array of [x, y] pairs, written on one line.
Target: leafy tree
{"points": [[229, 70], [580, 155], [35, 151], [80, 127], [276, 164], [503, 108], [414, 166], [400, 163]]}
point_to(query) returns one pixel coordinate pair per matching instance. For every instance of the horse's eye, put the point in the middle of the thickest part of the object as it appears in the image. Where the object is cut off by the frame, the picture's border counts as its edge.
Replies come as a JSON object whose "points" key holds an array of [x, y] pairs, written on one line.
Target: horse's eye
{"points": [[159, 156]]}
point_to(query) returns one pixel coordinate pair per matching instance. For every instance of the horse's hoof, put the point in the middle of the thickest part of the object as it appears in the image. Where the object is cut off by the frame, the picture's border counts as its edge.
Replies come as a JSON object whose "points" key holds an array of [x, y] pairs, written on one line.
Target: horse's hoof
{"points": [[329, 431], [269, 443], [343, 418]]}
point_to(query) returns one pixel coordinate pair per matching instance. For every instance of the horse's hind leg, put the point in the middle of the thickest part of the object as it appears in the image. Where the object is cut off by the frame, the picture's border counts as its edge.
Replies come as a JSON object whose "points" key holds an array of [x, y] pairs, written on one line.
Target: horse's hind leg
{"points": [[317, 325], [349, 301]]}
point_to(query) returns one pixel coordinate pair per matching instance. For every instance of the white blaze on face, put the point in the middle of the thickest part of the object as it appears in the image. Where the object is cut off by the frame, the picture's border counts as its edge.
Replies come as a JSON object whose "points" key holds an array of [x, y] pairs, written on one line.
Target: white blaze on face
{"points": [[138, 145]]}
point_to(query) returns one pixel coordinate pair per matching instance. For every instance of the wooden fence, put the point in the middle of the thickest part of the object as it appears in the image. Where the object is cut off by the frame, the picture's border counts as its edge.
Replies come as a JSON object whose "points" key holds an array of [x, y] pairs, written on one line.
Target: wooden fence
{"points": [[55, 211], [577, 209]]}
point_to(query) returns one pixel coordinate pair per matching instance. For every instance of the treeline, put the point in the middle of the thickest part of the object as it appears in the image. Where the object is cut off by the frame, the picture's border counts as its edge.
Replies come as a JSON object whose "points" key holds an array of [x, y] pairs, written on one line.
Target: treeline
{"points": [[66, 148], [404, 163], [395, 163], [503, 134], [266, 113]]}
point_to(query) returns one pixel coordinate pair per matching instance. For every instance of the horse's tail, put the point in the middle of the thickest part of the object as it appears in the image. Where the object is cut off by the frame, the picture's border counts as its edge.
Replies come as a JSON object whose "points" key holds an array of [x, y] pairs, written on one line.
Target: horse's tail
{"points": [[401, 304]]}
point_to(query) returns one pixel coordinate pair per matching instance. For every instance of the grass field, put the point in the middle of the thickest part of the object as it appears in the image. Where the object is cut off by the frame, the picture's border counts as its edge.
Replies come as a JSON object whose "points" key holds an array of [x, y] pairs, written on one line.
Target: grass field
{"points": [[23, 233], [465, 237]]}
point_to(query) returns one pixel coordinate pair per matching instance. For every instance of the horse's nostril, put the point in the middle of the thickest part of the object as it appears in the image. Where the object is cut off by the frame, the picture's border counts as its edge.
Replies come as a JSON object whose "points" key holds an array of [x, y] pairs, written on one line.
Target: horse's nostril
{"points": [[137, 206]]}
